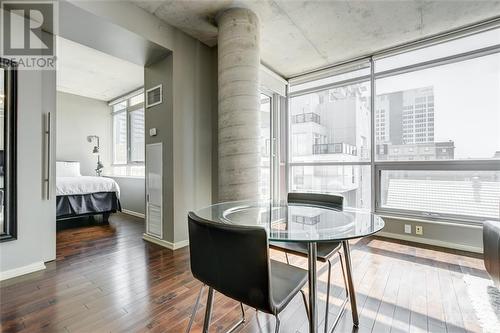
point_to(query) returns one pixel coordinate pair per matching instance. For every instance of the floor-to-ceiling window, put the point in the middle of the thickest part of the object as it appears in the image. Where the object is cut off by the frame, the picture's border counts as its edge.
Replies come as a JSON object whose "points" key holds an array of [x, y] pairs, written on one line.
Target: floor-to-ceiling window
{"points": [[330, 135], [429, 148], [437, 130], [128, 134]]}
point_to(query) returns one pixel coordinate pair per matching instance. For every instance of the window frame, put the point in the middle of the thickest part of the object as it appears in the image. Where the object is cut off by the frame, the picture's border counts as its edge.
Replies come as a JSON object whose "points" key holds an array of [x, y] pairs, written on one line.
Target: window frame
{"points": [[128, 110], [277, 157], [378, 166], [445, 165], [268, 94], [454, 165]]}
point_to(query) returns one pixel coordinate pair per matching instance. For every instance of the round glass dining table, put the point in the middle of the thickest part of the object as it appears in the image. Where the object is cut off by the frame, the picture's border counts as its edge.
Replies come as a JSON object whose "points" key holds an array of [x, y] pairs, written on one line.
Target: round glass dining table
{"points": [[304, 223]]}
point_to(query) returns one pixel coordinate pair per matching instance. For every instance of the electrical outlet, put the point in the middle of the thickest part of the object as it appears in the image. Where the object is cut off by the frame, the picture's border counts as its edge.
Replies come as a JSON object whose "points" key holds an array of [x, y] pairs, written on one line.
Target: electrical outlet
{"points": [[419, 230], [407, 228]]}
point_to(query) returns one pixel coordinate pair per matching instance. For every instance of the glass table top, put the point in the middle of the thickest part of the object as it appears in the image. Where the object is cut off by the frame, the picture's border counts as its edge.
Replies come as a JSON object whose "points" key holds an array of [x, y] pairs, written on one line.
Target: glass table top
{"points": [[295, 222]]}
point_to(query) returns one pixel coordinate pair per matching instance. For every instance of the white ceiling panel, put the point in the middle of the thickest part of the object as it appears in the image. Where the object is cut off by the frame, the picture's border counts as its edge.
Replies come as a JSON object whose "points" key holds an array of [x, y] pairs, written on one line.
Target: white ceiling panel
{"points": [[90, 73]]}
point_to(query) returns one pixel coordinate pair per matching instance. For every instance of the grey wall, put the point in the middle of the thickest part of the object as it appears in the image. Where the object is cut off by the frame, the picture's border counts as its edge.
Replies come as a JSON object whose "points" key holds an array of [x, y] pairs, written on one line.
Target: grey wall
{"points": [[184, 126], [463, 237], [132, 193], [36, 218], [161, 117], [78, 117], [192, 129]]}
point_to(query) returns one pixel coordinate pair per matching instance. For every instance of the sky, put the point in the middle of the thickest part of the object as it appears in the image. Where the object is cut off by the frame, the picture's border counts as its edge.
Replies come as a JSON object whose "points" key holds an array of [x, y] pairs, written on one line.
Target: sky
{"points": [[466, 103]]}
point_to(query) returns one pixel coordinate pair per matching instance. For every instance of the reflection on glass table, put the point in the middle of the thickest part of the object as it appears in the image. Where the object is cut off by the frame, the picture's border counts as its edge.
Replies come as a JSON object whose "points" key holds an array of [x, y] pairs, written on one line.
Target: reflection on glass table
{"points": [[294, 222]]}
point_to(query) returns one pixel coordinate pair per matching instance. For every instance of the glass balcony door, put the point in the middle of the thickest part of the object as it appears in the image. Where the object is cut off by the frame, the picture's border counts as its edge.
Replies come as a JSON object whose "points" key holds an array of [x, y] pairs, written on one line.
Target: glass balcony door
{"points": [[266, 110]]}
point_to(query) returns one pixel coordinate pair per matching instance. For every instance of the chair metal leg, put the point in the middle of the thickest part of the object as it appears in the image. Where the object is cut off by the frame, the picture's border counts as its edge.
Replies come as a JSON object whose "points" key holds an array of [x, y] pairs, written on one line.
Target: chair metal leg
{"points": [[287, 260], [350, 283], [304, 299], [329, 281], [195, 309], [242, 320], [208, 310], [346, 299], [242, 312], [343, 275], [277, 328], [344, 302], [341, 312]]}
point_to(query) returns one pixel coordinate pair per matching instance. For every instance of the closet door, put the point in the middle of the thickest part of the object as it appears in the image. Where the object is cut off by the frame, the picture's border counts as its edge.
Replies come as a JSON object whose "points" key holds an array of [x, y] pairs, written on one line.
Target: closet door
{"points": [[154, 181]]}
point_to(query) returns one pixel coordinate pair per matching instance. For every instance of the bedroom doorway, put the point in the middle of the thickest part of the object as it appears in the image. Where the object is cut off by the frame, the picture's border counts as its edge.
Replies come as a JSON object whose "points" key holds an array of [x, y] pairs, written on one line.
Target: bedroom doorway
{"points": [[100, 137]]}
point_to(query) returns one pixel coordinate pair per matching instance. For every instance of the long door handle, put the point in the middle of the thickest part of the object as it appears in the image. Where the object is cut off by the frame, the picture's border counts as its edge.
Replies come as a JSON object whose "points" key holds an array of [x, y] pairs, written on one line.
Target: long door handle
{"points": [[47, 168]]}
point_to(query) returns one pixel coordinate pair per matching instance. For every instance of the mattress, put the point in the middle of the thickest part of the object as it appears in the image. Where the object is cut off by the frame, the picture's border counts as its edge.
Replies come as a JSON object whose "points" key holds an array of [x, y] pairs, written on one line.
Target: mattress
{"points": [[85, 185]]}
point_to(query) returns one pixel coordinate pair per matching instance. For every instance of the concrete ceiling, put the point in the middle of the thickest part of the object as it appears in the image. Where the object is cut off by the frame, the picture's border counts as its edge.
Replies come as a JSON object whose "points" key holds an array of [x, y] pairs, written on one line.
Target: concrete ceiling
{"points": [[298, 36], [87, 72]]}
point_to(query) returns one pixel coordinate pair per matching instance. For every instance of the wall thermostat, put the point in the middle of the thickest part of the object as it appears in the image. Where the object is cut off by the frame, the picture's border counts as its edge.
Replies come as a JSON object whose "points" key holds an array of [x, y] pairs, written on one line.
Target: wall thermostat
{"points": [[152, 132]]}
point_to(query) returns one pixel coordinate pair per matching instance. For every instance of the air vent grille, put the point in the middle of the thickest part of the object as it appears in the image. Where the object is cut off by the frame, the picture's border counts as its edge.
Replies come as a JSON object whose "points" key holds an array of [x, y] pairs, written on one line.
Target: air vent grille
{"points": [[154, 96]]}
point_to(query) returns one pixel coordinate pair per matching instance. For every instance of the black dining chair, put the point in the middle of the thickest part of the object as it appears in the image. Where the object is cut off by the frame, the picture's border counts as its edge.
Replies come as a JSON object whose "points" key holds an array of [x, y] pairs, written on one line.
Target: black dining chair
{"points": [[325, 250], [234, 260]]}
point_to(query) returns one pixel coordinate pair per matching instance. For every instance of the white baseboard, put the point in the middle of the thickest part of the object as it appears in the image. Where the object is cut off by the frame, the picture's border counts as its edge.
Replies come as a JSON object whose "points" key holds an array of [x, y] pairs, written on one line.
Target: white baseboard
{"points": [[164, 243], [131, 212], [434, 242], [37, 266]]}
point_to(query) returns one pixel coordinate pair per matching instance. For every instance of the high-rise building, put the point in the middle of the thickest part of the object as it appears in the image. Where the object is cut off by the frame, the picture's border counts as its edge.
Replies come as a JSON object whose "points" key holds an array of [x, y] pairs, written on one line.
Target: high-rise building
{"points": [[405, 117], [404, 127]]}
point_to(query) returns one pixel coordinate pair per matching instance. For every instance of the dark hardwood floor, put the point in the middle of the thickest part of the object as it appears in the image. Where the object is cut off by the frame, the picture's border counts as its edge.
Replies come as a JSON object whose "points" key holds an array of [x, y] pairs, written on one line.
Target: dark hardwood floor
{"points": [[107, 279]]}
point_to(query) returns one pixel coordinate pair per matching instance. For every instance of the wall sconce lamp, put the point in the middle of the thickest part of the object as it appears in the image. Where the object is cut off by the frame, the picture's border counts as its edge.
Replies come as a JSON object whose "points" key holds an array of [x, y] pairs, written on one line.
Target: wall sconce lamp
{"points": [[95, 151]]}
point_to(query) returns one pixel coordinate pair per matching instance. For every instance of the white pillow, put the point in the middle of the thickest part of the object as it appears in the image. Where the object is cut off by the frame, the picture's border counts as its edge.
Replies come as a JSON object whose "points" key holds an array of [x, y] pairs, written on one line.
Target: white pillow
{"points": [[67, 169]]}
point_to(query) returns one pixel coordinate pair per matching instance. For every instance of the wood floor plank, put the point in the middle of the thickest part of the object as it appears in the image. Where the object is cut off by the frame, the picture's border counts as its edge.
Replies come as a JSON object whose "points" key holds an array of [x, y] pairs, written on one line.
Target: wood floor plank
{"points": [[435, 319], [418, 301], [383, 319]]}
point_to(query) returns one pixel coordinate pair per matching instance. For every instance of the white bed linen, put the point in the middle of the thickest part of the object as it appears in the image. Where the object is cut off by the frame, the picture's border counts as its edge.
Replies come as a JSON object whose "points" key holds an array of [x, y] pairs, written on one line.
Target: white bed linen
{"points": [[85, 185]]}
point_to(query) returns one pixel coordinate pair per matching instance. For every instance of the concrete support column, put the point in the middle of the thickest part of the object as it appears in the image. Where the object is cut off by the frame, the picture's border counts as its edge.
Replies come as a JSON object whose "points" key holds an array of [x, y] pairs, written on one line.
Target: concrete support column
{"points": [[239, 107]]}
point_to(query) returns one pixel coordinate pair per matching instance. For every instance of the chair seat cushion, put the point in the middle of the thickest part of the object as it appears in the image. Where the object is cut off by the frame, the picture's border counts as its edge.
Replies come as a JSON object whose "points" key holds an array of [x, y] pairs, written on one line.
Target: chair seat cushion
{"points": [[286, 282], [324, 250]]}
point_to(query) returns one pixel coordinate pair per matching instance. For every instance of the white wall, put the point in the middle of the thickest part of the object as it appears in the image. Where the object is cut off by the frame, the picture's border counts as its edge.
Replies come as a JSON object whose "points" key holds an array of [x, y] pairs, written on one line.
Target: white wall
{"points": [[132, 194], [78, 117], [35, 215]]}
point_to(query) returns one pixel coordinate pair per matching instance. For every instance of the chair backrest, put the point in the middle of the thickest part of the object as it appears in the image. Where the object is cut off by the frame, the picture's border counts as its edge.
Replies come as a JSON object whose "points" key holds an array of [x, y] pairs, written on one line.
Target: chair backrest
{"points": [[232, 259], [491, 245], [320, 199]]}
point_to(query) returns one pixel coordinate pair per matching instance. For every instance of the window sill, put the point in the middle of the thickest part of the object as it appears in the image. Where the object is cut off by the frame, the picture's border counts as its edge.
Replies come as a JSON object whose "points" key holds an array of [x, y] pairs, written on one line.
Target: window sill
{"points": [[123, 176], [436, 220]]}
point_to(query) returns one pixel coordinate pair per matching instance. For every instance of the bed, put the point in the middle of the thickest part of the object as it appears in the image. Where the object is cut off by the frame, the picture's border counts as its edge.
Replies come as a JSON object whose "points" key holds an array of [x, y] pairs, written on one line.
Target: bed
{"points": [[78, 195]]}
